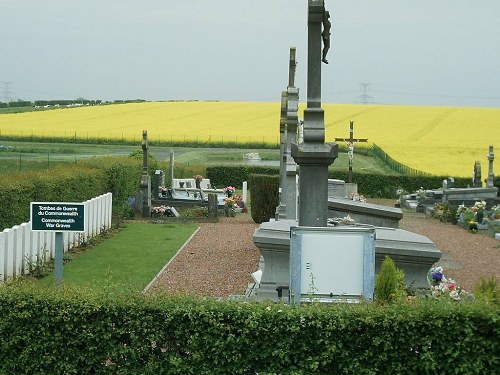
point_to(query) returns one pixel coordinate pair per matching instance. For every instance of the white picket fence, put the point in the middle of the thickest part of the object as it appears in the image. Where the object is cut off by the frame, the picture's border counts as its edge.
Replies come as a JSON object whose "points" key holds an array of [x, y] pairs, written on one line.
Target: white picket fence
{"points": [[20, 246]]}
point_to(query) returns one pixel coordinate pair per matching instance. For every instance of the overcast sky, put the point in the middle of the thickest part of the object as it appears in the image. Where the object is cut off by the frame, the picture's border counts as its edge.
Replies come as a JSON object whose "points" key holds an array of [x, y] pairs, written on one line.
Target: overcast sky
{"points": [[441, 52]]}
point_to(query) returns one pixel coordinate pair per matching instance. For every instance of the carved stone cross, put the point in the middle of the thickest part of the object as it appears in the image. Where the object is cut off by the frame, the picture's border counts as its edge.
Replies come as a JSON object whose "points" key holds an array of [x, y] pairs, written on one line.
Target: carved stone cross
{"points": [[145, 147]]}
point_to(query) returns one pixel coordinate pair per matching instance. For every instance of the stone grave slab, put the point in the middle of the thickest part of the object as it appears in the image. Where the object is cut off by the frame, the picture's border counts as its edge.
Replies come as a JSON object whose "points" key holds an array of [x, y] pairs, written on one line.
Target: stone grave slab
{"points": [[366, 213]]}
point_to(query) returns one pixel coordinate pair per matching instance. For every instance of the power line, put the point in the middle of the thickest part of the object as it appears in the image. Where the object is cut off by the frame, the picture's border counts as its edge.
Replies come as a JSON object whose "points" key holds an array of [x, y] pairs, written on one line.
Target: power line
{"points": [[364, 97], [6, 91]]}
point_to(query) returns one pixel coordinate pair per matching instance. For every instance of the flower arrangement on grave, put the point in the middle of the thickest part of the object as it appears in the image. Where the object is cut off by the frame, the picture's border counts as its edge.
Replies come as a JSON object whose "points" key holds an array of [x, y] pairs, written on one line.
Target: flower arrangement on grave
{"points": [[466, 214], [229, 206], [161, 211], [399, 193], [495, 212], [357, 197], [444, 287], [479, 206], [229, 190], [461, 209], [239, 203], [346, 220], [163, 190], [439, 209], [478, 209], [230, 201], [420, 194]]}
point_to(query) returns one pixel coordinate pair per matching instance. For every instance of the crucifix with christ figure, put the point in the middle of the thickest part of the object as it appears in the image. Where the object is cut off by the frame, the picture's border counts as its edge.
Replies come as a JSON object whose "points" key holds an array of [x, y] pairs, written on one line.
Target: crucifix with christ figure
{"points": [[350, 143]]}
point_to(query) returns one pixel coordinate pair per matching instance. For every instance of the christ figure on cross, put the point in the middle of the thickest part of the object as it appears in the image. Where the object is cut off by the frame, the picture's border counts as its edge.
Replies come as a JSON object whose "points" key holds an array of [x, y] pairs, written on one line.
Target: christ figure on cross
{"points": [[350, 143]]}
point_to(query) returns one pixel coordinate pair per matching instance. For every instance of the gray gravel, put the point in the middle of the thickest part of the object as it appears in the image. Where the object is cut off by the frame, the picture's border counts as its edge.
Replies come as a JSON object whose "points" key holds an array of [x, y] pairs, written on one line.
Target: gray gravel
{"points": [[219, 259]]}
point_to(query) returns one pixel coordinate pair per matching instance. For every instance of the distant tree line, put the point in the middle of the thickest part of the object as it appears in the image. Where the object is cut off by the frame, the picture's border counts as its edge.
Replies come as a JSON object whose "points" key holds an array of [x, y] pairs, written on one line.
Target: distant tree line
{"points": [[63, 102]]}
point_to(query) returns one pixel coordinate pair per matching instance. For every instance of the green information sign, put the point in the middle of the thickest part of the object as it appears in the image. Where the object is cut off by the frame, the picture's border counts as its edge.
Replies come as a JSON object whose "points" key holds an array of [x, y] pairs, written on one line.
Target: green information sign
{"points": [[57, 217]]}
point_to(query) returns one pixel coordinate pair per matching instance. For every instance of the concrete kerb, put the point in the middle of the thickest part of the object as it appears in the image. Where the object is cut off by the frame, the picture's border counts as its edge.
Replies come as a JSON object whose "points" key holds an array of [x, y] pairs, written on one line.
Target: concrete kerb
{"points": [[170, 261]]}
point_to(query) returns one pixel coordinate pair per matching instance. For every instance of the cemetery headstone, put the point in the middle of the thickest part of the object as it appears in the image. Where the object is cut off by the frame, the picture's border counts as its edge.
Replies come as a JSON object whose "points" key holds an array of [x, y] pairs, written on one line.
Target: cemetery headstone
{"points": [[476, 180], [336, 189], [314, 155], [171, 167], [491, 177], [292, 107], [159, 182], [145, 188], [280, 210]]}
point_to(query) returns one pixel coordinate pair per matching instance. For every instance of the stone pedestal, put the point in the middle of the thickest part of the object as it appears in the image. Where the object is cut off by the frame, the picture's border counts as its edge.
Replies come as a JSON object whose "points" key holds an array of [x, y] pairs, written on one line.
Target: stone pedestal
{"points": [[314, 159], [273, 240], [413, 253], [145, 192]]}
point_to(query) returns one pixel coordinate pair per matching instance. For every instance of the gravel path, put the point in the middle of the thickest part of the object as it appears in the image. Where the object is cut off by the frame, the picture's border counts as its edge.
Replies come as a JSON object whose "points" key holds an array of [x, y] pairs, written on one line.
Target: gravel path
{"points": [[219, 259], [466, 256]]}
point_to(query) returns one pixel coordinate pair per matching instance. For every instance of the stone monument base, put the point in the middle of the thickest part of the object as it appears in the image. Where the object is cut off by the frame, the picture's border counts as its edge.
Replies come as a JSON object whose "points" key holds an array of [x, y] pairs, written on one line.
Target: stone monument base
{"points": [[413, 253]]}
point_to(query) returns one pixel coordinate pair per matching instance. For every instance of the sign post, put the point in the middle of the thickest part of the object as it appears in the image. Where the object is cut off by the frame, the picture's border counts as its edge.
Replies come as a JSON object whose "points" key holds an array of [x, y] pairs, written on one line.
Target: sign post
{"points": [[58, 217]]}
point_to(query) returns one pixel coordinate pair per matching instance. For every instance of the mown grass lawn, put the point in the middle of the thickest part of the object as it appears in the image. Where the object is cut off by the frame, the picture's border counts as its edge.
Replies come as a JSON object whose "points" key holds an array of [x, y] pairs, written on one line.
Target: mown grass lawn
{"points": [[128, 261]]}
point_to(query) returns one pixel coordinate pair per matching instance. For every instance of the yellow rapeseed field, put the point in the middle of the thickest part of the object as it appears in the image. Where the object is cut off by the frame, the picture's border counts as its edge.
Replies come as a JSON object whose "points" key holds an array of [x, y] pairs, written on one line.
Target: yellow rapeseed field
{"points": [[438, 140]]}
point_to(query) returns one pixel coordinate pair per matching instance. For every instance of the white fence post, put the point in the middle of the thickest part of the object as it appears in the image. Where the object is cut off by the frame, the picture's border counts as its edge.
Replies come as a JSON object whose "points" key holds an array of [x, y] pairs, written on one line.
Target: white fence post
{"points": [[3, 257], [9, 254]]}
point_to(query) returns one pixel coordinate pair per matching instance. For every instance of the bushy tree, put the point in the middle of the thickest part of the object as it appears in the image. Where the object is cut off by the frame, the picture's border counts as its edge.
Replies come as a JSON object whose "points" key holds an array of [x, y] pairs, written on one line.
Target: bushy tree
{"points": [[389, 283]]}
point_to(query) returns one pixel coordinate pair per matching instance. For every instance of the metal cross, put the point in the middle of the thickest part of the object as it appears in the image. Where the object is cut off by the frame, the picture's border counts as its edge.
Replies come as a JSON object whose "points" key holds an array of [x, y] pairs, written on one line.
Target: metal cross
{"points": [[350, 143]]}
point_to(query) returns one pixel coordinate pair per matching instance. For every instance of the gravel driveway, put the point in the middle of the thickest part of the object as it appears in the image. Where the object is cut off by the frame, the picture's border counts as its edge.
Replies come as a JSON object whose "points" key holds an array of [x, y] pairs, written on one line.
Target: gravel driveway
{"points": [[221, 256]]}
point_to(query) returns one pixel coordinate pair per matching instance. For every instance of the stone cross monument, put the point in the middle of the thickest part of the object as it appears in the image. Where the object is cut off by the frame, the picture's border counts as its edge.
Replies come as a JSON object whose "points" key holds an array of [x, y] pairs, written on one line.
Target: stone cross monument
{"points": [[145, 178], [281, 209], [350, 143], [314, 155], [171, 168], [288, 134], [292, 122], [476, 177], [491, 177]]}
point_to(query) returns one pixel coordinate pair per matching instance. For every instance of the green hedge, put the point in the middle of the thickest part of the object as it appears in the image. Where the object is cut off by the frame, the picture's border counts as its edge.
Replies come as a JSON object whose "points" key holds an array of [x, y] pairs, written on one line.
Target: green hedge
{"points": [[65, 332], [66, 183], [370, 185], [264, 196], [235, 175], [385, 186]]}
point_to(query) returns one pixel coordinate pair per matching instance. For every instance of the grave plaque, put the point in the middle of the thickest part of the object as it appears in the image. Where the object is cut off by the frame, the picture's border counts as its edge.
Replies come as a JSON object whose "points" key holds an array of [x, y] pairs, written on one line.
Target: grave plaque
{"points": [[332, 264]]}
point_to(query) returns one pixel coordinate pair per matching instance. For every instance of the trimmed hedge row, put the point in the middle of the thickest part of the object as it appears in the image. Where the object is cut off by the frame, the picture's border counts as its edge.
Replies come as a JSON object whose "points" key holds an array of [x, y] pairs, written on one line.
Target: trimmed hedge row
{"points": [[235, 175], [265, 196], [66, 183], [385, 186], [371, 185], [67, 332]]}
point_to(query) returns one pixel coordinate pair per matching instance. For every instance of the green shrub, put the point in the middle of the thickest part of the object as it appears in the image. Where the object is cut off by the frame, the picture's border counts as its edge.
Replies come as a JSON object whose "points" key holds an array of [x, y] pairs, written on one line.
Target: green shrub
{"points": [[195, 211], [264, 196], [69, 331], [83, 181], [389, 283], [234, 175], [488, 290]]}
